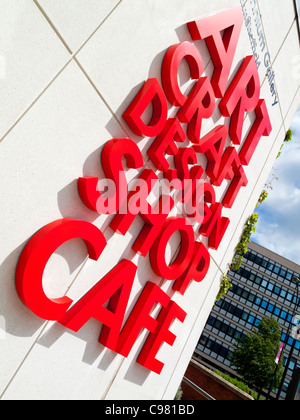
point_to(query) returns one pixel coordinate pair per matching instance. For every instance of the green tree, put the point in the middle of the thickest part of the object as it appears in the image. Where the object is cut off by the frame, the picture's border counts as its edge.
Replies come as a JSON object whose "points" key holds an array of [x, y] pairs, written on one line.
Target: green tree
{"points": [[254, 357]]}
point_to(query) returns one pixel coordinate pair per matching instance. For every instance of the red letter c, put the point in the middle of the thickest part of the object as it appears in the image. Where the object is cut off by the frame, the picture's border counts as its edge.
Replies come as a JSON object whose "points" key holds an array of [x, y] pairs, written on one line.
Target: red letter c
{"points": [[36, 254]]}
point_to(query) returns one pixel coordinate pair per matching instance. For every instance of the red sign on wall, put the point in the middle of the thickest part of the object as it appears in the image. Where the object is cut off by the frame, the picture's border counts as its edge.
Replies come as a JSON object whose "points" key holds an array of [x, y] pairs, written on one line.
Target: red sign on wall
{"points": [[221, 34]]}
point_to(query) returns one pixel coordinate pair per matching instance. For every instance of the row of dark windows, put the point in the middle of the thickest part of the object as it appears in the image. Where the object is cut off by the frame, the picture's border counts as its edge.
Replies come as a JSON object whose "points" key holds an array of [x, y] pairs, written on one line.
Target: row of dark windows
{"points": [[211, 346], [265, 284], [250, 318], [260, 302], [238, 312], [232, 331], [236, 333], [270, 265]]}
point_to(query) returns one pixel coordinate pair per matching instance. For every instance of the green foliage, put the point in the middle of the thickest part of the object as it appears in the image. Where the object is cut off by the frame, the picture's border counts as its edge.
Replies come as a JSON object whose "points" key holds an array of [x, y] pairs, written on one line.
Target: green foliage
{"points": [[249, 228], [239, 384], [288, 138], [241, 247], [279, 153], [254, 357], [224, 286], [179, 394], [263, 196]]}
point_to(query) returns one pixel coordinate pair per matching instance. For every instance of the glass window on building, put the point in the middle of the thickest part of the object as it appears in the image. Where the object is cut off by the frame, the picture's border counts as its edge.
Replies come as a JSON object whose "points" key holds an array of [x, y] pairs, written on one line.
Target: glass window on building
{"points": [[261, 287]]}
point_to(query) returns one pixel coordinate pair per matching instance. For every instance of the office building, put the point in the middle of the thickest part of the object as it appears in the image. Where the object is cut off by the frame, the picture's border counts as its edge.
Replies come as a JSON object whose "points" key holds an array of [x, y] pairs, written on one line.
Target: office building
{"points": [[262, 287]]}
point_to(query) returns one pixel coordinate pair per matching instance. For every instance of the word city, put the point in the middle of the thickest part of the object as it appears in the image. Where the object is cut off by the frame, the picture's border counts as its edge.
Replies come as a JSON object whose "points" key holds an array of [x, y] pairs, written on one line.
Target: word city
{"points": [[221, 34]]}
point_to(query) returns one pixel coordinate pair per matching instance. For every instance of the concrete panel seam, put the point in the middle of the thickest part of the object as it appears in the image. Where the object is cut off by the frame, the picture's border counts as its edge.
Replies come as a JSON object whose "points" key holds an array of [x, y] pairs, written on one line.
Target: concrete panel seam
{"points": [[53, 26], [274, 59], [98, 27], [221, 262], [192, 330], [101, 97], [39, 336], [23, 361], [259, 177], [35, 100], [51, 23]]}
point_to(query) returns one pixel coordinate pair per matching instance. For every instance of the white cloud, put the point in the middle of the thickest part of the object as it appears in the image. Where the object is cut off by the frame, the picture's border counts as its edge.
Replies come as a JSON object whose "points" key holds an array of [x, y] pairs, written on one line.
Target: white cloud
{"points": [[279, 226]]}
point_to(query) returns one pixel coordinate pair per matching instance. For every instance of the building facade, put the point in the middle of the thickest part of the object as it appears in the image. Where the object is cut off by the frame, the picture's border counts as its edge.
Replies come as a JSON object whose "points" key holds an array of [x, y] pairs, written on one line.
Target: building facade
{"points": [[262, 287], [115, 115]]}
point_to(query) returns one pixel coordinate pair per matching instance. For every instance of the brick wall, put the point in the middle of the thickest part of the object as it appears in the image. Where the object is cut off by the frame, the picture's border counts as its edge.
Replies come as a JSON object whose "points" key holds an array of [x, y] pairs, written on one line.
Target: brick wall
{"points": [[211, 383]]}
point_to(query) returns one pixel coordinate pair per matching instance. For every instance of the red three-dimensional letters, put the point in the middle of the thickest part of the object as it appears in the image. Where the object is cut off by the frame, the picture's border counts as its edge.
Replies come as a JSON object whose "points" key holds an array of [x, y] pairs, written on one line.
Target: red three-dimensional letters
{"points": [[150, 93], [158, 250], [241, 96], [170, 67], [36, 254], [114, 288], [221, 33], [111, 160], [147, 116]]}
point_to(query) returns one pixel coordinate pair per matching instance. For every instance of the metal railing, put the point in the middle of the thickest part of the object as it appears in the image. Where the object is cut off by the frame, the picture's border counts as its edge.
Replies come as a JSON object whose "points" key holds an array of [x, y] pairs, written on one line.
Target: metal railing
{"points": [[199, 390]]}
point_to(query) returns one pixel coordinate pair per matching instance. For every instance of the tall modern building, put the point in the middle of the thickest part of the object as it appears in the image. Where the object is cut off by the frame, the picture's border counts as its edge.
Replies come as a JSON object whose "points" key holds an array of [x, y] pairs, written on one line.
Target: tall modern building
{"points": [[262, 287]]}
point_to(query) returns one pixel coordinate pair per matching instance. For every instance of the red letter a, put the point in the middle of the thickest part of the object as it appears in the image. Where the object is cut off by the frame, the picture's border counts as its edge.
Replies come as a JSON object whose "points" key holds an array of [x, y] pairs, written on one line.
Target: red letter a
{"points": [[221, 48], [116, 287]]}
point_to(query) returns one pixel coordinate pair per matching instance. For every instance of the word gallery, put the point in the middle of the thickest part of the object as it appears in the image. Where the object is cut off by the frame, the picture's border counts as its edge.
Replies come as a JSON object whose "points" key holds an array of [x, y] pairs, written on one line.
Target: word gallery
{"points": [[107, 301]]}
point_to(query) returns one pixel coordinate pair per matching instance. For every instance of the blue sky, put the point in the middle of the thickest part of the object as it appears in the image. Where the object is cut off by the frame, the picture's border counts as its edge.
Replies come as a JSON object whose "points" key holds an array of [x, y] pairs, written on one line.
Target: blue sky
{"points": [[278, 228]]}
